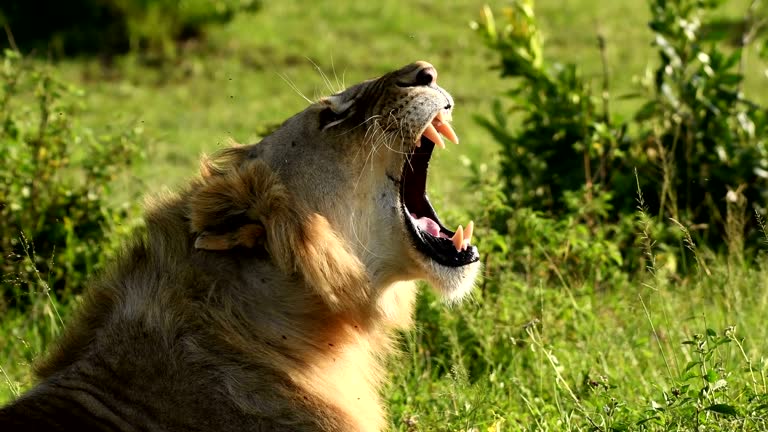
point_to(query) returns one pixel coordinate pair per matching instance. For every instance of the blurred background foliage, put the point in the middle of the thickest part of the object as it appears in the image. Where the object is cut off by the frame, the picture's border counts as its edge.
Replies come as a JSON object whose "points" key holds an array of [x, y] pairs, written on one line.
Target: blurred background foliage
{"points": [[56, 177], [693, 152], [110, 27]]}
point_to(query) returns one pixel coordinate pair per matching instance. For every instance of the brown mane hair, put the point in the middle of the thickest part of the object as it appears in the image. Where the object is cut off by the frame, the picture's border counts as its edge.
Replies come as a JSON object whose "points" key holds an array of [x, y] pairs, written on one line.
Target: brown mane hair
{"points": [[213, 238]]}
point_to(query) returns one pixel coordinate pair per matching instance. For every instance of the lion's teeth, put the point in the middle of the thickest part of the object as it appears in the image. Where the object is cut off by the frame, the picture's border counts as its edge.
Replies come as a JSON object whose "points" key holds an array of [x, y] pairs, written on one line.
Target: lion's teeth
{"points": [[445, 129], [431, 134], [458, 239], [468, 233]]}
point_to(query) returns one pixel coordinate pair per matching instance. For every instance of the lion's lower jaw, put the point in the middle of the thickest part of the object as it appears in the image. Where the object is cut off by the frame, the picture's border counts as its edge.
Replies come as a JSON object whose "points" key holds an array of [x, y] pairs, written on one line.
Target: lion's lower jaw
{"points": [[452, 283]]}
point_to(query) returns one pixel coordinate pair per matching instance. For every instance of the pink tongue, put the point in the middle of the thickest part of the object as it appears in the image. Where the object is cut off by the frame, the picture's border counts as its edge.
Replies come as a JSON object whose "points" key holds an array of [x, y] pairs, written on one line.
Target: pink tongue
{"points": [[428, 225]]}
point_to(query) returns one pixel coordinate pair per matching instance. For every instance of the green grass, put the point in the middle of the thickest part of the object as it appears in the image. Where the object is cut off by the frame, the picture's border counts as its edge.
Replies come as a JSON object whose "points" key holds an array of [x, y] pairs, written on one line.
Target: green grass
{"points": [[529, 351], [257, 70], [547, 356]]}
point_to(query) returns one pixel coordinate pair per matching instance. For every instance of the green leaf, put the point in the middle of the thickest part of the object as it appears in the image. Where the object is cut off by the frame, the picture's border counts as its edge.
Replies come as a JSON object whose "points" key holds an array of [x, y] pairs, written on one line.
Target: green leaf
{"points": [[733, 59], [615, 255], [730, 79], [722, 340], [711, 376], [646, 111], [498, 114], [689, 375], [723, 409], [647, 419], [630, 95], [690, 365]]}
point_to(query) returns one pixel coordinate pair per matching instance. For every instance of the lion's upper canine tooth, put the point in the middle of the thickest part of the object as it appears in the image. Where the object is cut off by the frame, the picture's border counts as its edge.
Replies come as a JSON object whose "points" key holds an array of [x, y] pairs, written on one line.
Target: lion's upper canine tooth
{"points": [[442, 126], [431, 134], [458, 239]]}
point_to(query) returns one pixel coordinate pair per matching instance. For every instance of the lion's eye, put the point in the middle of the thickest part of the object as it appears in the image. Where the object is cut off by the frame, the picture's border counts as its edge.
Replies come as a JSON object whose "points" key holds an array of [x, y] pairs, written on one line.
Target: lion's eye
{"points": [[330, 118], [337, 108]]}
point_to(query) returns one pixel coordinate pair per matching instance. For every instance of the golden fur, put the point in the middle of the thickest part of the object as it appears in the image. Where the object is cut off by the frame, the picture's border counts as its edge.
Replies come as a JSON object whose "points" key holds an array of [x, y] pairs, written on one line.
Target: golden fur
{"points": [[262, 296]]}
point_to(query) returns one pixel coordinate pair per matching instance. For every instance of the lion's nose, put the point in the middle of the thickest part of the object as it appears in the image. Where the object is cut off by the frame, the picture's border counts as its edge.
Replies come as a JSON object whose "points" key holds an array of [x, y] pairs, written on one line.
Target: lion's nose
{"points": [[420, 73], [426, 75]]}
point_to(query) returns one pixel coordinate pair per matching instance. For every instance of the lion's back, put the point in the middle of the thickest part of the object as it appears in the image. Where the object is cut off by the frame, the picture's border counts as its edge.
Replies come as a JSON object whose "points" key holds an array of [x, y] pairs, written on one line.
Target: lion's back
{"points": [[84, 407], [129, 375], [52, 415]]}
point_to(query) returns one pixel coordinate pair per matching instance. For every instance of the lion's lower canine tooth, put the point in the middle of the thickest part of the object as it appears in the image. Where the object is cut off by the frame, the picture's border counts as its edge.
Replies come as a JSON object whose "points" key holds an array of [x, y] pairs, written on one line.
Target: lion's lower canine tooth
{"points": [[447, 131]]}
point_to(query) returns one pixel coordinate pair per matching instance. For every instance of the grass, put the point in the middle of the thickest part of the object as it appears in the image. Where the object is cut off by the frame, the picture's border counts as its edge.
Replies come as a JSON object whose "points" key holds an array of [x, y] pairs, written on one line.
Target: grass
{"points": [[257, 70], [532, 350], [549, 357]]}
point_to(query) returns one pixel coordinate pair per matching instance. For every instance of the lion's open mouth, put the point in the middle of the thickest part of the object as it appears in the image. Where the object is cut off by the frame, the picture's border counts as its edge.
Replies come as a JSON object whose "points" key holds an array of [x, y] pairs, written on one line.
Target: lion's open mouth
{"points": [[446, 247]]}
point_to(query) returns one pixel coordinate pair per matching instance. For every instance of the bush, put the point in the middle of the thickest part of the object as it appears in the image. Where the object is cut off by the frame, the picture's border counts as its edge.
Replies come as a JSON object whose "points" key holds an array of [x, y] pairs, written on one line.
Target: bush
{"points": [[54, 184], [528, 241], [114, 26], [696, 147]]}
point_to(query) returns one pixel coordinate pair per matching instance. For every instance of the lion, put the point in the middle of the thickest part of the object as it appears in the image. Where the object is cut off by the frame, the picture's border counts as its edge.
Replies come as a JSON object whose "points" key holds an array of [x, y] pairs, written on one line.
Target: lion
{"points": [[264, 295]]}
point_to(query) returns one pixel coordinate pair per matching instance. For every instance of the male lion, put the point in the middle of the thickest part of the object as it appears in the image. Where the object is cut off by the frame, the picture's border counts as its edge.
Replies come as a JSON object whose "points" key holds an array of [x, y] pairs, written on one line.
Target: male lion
{"points": [[264, 295]]}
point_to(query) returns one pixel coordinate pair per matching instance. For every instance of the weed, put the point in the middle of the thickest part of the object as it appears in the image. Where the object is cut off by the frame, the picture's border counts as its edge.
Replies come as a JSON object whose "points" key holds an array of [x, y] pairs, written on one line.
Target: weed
{"points": [[695, 142], [56, 178]]}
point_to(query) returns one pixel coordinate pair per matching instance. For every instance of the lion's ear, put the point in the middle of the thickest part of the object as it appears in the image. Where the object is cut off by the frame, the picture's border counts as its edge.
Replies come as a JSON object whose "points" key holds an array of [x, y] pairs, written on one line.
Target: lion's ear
{"points": [[226, 208], [248, 236], [248, 205]]}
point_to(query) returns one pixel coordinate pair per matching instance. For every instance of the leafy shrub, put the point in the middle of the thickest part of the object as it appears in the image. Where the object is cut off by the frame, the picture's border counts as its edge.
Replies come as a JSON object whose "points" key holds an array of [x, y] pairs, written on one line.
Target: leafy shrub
{"points": [[525, 240], [696, 143], [564, 142], [709, 137], [54, 183], [113, 26]]}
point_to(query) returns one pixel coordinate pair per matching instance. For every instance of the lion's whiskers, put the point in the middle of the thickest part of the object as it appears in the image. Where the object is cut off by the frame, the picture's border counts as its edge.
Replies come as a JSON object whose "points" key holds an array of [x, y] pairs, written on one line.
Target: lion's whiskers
{"points": [[353, 128], [339, 84], [325, 78], [374, 133], [294, 87], [358, 240]]}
